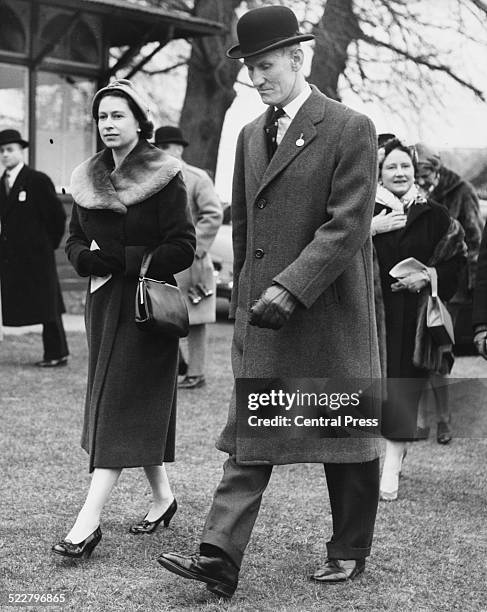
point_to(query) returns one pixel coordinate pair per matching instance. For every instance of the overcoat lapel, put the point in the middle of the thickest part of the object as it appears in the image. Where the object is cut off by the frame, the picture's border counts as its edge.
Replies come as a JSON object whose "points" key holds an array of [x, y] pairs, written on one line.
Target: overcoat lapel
{"points": [[16, 188], [302, 128], [416, 211], [258, 147]]}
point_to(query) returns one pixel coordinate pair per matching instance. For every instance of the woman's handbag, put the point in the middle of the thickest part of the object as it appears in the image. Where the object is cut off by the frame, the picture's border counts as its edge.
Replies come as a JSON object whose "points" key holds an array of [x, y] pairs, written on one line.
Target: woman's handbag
{"points": [[159, 306], [438, 319]]}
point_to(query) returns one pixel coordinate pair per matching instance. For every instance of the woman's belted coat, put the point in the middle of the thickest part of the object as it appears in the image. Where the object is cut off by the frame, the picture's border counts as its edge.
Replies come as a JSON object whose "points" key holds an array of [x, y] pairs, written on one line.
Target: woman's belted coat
{"points": [[130, 406]]}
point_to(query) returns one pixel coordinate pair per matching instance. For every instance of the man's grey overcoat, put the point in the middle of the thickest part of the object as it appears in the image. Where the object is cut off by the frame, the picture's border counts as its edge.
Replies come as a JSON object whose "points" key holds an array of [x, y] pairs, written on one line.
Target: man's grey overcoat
{"points": [[303, 221]]}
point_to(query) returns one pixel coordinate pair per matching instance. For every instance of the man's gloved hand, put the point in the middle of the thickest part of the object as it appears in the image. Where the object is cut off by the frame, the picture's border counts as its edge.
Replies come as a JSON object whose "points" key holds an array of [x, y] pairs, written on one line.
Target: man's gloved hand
{"points": [[387, 222], [480, 342], [273, 308]]}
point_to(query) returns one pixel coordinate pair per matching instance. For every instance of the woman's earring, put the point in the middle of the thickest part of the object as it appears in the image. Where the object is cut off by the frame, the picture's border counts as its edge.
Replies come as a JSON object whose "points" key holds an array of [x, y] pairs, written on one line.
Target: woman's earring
{"points": [[139, 130]]}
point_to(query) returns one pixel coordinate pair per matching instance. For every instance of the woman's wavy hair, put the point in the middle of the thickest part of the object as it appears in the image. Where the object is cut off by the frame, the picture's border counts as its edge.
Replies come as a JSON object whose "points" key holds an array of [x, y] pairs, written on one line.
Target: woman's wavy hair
{"points": [[392, 145], [146, 126]]}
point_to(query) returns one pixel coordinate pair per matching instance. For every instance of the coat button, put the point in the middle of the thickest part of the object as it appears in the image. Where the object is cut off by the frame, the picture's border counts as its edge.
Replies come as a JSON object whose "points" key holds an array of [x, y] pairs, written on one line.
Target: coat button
{"points": [[261, 203], [259, 254]]}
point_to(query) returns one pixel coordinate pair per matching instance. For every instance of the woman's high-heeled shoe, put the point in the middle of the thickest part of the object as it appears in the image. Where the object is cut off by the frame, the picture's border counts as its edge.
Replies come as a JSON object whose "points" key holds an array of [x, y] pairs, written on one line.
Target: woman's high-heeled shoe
{"points": [[67, 549], [146, 526]]}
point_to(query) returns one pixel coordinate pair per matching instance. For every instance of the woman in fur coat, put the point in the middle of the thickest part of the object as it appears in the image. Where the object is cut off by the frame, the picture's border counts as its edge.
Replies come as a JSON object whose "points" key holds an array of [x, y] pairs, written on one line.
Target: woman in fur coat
{"points": [[407, 225], [129, 199]]}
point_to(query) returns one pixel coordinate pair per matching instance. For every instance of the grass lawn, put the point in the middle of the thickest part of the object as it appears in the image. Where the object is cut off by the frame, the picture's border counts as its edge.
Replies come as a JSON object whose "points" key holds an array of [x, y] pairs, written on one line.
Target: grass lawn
{"points": [[429, 550]]}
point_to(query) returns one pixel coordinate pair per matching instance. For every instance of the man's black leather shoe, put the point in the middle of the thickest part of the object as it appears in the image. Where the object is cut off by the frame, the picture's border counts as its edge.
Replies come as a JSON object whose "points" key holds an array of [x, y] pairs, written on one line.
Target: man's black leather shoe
{"points": [[336, 570], [220, 575]]}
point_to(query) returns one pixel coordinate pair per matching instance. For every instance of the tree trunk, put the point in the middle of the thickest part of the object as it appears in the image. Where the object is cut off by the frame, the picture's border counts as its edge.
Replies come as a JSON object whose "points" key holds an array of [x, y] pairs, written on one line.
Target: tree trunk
{"points": [[336, 30], [209, 92]]}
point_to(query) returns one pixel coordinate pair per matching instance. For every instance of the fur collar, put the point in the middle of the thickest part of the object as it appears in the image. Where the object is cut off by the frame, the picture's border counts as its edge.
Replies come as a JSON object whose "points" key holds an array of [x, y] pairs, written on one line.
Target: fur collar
{"points": [[146, 170]]}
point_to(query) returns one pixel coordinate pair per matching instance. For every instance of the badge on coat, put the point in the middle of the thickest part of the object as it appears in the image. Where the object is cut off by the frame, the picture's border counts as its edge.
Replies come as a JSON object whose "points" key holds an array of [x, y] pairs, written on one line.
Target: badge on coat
{"points": [[300, 141], [22, 195]]}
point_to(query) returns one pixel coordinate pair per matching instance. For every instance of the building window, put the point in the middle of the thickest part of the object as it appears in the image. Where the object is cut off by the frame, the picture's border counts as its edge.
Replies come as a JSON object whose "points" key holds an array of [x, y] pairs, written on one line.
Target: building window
{"points": [[65, 132], [69, 36], [13, 98], [13, 23]]}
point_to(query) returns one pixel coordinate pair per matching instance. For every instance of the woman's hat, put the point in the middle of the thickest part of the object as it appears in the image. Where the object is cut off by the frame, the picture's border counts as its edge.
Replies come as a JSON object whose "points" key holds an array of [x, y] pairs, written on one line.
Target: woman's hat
{"points": [[266, 28], [427, 156], [169, 134], [125, 86], [10, 136]]}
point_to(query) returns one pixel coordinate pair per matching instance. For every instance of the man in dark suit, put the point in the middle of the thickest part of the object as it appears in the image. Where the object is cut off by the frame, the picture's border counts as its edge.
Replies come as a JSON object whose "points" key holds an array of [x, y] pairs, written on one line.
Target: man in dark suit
{"points": [[303, 196], [32, 221]]}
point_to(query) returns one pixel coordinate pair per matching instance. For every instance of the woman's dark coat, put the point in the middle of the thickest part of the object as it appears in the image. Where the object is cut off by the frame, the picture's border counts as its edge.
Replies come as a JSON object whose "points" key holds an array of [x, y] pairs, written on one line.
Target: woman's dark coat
{"points": [[427, 223], [479, 315], [130, 405], [32, 222]]}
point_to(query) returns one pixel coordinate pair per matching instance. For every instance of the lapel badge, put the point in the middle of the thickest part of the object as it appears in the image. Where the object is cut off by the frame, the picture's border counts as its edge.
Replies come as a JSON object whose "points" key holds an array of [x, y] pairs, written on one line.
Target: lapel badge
{"points": [[22, 195], [300, 141]]}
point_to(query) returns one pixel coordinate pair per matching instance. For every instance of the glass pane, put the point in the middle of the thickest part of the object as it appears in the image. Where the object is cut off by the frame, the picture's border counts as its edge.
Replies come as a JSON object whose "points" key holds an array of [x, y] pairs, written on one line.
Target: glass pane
{"points": [[13, 98], [13, 36], [65, 133]]}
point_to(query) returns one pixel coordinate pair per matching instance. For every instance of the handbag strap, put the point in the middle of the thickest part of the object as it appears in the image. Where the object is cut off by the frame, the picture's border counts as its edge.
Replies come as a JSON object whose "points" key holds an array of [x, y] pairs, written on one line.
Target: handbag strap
{"points": [[145, 264], [434, 282]]}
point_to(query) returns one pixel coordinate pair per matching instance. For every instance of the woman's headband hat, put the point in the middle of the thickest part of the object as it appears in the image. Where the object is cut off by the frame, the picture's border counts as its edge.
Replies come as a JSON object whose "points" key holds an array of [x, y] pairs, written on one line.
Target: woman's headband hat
{"points": [[125, 86]]}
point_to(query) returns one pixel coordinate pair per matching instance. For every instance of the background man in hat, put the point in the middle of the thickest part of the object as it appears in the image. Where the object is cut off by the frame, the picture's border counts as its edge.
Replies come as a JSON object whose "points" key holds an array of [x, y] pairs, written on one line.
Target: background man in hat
{"points": [[459, 198], [32, 220], [197, 282], [303, 196]]}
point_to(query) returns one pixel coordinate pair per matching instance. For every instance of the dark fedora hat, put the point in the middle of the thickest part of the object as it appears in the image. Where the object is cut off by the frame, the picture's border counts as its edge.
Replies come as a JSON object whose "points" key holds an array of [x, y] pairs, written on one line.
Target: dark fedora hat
{"points": [[266, 28], [168, 134], [9, 136]]}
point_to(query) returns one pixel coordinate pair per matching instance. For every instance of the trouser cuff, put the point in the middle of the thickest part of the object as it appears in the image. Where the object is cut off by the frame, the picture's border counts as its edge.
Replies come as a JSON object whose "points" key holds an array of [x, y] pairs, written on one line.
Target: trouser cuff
{"points": [[219, 540], [337, 551]]}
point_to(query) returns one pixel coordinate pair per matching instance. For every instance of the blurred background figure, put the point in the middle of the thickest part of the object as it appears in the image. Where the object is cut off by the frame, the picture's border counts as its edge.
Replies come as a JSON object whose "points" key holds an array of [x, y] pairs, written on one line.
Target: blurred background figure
{"points": [[198, 282], [447, 188], [32, 221], [479, 313], [406, 224]]}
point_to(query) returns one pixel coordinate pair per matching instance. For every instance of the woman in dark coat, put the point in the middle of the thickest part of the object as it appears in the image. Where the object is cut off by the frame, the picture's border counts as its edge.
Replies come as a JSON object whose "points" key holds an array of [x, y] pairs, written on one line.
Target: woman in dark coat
{"points": [[129, 199], [407, 225]]}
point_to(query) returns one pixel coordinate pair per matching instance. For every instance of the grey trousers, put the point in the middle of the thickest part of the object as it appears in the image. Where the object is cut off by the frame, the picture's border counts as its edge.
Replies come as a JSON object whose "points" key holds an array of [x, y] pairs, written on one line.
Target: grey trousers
{"points": [[353, 489]]}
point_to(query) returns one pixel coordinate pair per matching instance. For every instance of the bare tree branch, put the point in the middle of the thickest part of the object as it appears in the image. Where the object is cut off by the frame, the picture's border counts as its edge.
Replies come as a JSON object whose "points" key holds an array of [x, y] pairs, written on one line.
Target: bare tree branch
{"points": [[423, 60]]}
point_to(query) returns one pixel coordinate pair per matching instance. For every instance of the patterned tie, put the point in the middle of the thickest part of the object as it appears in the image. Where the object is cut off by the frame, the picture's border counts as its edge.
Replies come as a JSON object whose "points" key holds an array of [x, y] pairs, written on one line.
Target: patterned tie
{"points": [[271, 132]]}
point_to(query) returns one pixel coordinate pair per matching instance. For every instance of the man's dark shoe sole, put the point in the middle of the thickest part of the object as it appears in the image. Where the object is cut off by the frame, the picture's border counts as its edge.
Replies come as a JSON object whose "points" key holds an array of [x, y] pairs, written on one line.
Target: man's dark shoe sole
{"points": [[215, 586]]}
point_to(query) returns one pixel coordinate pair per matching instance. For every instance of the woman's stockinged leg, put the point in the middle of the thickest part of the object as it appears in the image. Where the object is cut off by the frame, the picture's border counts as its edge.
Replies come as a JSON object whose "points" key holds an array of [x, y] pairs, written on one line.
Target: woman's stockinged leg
{"points": [[102, 482], [389, 483], [162, 496]]}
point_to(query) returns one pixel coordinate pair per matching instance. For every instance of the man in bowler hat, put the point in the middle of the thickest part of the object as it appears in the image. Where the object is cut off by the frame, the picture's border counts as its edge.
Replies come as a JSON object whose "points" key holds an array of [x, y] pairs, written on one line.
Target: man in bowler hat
{"points": [[32, 221], [303, 196], [197, 282]]}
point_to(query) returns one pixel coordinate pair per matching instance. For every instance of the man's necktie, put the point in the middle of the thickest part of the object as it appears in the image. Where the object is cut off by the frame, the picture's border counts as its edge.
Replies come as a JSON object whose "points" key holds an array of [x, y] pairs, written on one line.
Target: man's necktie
{"points": [[271, 132], [6, 182]]}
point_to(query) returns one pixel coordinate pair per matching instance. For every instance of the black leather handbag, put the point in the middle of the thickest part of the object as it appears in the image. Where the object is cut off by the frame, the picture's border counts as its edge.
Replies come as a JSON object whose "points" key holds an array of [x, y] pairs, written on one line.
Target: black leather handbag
{"points": [[159, 306]]}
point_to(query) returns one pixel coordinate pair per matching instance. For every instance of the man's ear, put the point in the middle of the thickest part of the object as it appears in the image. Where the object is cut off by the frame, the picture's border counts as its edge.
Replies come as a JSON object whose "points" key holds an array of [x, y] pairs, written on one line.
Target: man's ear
{"points": [[297, 59]]}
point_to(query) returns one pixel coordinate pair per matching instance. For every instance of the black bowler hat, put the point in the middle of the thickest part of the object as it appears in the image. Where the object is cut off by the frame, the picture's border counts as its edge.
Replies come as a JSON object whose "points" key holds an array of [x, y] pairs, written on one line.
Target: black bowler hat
{"points": [[9, 136], [266, 28], [169, 134], [384, 138]]}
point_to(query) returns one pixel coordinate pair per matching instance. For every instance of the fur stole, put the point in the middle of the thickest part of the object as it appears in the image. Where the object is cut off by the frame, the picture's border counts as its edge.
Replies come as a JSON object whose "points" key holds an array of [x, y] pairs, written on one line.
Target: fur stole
{"points": [[97, 184], [427, 355]]}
